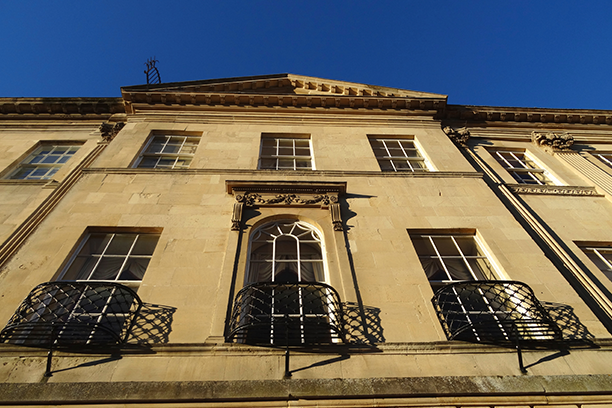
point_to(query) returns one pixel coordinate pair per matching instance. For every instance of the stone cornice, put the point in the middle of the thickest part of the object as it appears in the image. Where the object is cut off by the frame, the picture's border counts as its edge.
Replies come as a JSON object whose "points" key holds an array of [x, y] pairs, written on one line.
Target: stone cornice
{"points": [[286, 174], [467, 115], [166, 100], [60, 108], [492, 391]]}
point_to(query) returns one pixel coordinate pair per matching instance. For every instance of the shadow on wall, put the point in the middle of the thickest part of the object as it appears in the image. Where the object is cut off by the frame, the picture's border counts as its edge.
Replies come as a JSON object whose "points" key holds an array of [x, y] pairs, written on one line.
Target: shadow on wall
{"points": [[153, 324], [362, 324], [571, 327]]}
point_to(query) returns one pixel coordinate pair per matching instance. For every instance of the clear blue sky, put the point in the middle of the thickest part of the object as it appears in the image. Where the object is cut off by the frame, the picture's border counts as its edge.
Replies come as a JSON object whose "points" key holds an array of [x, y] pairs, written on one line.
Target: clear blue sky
{"points": [[555, 54]]}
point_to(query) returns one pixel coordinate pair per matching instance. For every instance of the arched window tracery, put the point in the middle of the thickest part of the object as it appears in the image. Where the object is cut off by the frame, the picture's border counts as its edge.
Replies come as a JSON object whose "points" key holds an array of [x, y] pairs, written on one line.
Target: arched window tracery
{"points": [[286, 251]]}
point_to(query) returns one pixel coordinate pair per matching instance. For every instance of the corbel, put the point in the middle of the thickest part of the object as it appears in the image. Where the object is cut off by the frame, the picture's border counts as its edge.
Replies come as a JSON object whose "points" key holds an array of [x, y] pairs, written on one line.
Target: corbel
{"points": [[553, 142]]}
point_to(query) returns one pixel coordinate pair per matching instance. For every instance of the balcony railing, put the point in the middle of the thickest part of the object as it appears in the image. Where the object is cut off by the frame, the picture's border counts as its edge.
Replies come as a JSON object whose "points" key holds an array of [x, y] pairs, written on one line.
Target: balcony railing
{"points": [[497, 312], [57, 314], [287, 314]]}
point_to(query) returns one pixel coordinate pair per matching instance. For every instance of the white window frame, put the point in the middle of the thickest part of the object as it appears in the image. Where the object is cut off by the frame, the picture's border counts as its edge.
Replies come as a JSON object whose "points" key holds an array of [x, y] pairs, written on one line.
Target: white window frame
{"points": [[528, 165], [133, 283], [274, 142], [187, 142], [307, 229], [604, 157], [493, 274], [598, 251], [36, 162], [384, 155]]}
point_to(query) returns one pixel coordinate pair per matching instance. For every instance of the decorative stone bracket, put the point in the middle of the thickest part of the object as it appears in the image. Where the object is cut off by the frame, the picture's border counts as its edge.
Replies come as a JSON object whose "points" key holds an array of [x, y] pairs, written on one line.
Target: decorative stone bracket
{"points": [[459, 136], [286, 194], [109, 131], [553, 142]]}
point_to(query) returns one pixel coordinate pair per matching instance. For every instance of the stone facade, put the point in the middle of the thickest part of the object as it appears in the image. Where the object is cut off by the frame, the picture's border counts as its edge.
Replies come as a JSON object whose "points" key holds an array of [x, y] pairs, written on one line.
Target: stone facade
{"points": [[207, 204]]}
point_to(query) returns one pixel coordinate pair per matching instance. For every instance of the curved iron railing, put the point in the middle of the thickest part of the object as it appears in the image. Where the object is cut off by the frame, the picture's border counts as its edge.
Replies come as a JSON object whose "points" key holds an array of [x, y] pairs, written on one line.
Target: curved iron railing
{"points": [[498, 312], [57, 314], [287, 314]]}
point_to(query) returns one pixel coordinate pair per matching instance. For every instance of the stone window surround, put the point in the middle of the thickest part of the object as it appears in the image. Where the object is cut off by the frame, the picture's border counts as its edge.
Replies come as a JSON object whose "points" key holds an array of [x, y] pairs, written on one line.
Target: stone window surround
{"points": [[481, 255], [529, 166], [410, 153], [38, 152], [273, 153], [181, 158], [137, 232]]}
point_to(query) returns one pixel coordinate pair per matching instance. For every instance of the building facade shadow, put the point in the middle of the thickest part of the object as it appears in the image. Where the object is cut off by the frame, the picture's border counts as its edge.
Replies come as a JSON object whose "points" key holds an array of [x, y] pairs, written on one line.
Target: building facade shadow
{"points": [[572, 329], [362, 324], [153, 324]]}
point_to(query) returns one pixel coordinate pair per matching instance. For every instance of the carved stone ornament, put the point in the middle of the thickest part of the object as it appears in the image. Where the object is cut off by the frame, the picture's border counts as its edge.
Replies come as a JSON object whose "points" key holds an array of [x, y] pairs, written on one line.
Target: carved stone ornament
{"points": [[109, 131], [554, 141], [554, 190], [286, 194], [459, 136]]}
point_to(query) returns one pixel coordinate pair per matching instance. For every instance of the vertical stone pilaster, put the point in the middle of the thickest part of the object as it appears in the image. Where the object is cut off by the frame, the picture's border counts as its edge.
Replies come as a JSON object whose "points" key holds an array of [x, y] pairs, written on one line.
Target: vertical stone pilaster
{"points": [[599, 177]]}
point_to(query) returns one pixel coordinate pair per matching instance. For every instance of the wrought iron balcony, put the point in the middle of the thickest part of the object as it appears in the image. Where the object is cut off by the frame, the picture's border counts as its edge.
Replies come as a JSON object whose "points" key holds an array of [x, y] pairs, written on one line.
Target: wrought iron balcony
{"points": [[287, 314], [57, 314], [497, 312]]}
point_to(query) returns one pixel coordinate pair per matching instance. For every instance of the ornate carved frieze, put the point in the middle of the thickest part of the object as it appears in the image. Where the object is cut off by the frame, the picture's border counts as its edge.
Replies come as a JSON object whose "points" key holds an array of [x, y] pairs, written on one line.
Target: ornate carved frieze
{"points": [[459, 136], [286, 194], [553, 141], [554, 190], [109, 131]]}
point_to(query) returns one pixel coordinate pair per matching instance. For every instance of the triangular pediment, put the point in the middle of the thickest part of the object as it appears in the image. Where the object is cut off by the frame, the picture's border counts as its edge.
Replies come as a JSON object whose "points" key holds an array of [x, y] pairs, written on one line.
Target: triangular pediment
{"points": [[281, 84]]}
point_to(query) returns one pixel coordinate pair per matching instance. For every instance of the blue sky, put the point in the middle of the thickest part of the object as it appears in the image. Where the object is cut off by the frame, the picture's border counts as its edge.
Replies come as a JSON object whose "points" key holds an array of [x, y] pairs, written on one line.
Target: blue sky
{"points": [[502, 53]]}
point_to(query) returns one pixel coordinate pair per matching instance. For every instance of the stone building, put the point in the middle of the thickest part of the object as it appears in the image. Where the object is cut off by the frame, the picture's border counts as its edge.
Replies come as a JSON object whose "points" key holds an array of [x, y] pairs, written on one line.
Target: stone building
{"points": [[285, 240]]}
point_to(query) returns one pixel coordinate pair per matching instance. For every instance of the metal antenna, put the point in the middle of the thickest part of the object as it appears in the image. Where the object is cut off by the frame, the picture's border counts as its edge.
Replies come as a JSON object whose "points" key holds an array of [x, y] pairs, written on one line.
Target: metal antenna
{"points": [[152, 73]]}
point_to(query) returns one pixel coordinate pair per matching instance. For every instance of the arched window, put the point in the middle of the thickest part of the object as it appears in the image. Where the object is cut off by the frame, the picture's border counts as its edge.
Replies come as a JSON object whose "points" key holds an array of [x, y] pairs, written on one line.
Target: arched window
{"points": [[285, 300], [286, 251]]}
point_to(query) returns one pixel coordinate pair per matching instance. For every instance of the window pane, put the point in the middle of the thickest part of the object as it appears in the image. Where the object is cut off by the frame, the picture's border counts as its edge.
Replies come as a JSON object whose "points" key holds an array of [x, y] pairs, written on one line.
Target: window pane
{"points": [[81, 268], [285, 164], [285, 151], [467, 245], [107, 268], [96, 244], [172, 148], [134, 269], [301, 151], [445, 246], [155, 147], [284, 143], [120, 244], [401, 164], [145, 245], [52, 158], [303, 164], [268, 151], [148, 162], [267, 164], [302, 143]]}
